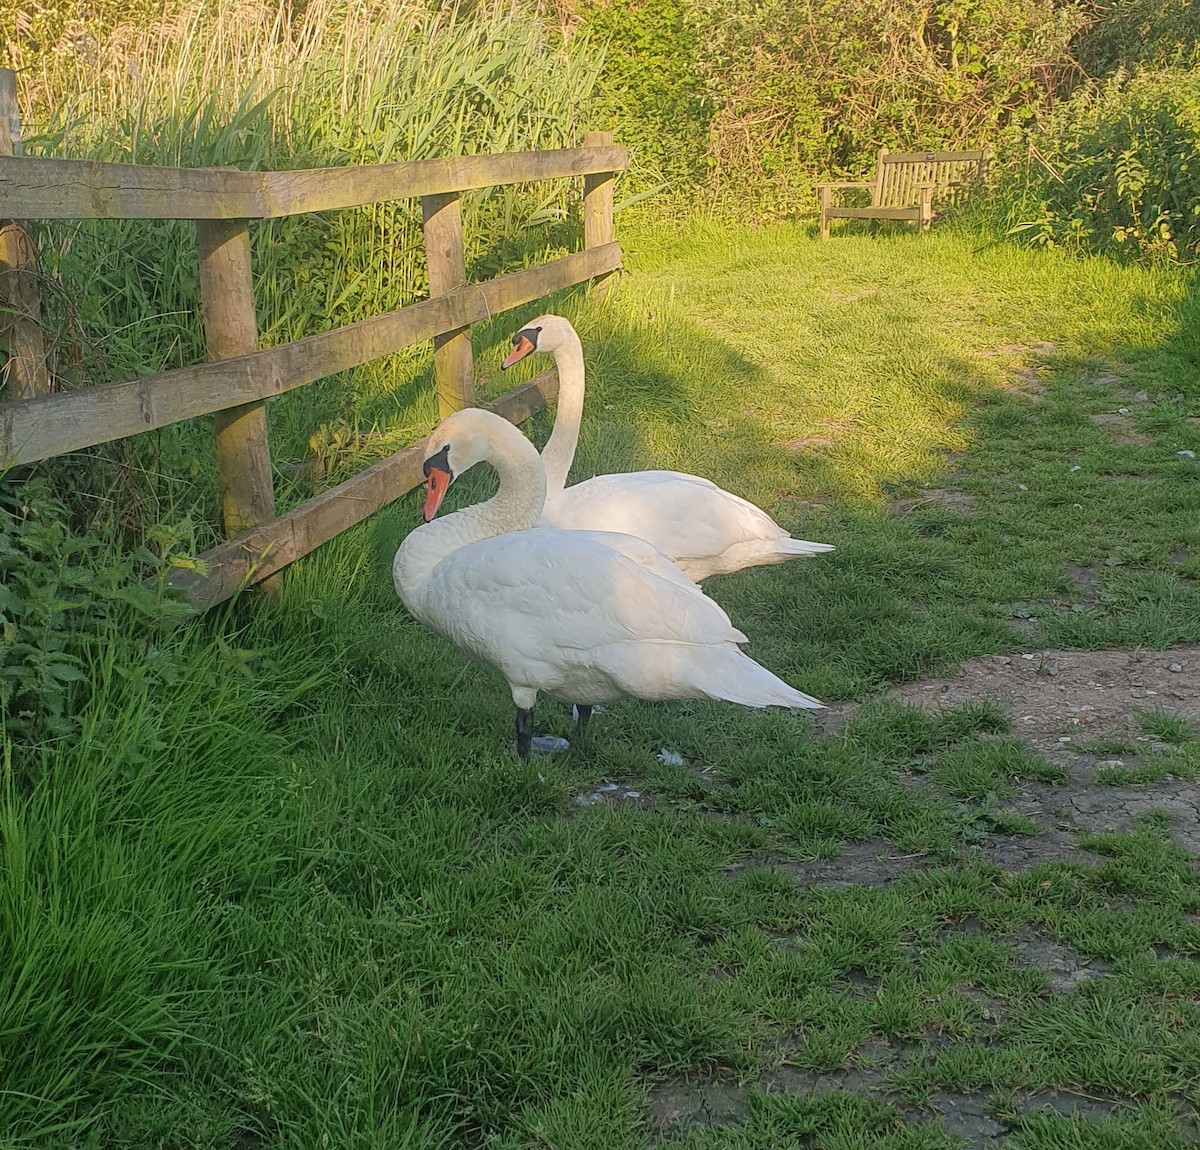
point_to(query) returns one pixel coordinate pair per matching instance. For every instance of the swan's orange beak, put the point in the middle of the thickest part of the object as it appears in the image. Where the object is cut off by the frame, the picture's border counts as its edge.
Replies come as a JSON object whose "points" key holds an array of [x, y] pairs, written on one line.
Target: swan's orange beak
{"points": [[522, 347], [439, 484]]}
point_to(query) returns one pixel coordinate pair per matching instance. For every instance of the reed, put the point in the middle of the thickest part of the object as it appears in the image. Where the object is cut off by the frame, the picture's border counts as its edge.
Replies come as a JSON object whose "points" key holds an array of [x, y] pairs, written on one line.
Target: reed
{"points": [[256, 86]]}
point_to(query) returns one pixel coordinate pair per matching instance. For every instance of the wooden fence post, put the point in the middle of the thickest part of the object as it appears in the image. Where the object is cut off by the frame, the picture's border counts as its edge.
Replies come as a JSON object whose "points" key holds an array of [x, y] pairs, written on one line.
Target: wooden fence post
{"points": [[598, 209], [231, 328], [26, 372], [453, 365]]}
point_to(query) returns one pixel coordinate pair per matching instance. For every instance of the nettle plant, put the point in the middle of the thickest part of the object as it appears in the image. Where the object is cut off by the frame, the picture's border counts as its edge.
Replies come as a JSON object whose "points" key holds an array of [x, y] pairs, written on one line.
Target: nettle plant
{"points": [[58, 590], [1120, 169]]}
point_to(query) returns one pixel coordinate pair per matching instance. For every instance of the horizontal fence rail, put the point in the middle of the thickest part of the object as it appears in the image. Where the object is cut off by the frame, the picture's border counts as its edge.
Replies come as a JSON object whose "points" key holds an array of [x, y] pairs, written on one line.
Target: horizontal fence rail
{"points": [[85, 189], [35, 429], [238, 379], [259, 553]]}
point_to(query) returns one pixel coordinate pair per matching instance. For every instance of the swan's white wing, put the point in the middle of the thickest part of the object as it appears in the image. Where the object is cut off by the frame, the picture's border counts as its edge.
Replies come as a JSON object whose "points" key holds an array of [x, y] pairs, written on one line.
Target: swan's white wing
{"points": [[645, 555], [560, 612], [682, 515], [568, 588]]}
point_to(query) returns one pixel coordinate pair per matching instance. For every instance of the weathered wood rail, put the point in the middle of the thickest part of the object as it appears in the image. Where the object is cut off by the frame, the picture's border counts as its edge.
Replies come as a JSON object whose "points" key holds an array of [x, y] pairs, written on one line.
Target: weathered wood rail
{"points": [[239, 378]]}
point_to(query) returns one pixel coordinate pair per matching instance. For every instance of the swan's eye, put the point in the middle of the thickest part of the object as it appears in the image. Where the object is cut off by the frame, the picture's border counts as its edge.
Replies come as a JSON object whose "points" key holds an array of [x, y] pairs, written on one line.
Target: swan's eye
{"points": [[440, 461]]}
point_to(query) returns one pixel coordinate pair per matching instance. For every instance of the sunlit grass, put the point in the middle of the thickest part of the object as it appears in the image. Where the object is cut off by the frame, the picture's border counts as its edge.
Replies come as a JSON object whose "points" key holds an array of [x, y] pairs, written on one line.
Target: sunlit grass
{"points": [[289, 889]]}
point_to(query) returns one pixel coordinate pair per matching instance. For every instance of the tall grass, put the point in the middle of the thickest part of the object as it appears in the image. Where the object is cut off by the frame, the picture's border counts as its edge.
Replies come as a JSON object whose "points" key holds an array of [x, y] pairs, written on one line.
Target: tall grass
{"points": [[286, 888], [114, 847], [264, 86]]}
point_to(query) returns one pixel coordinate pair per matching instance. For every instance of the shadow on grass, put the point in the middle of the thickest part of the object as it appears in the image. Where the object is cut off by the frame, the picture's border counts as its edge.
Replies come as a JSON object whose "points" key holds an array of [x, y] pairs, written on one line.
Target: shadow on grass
{"points": [[975, 505]]}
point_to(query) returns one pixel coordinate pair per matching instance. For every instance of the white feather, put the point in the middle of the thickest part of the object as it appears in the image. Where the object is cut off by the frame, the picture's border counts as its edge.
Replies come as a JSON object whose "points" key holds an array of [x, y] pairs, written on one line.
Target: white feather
{"points": [[586, 617], [703, 528]]}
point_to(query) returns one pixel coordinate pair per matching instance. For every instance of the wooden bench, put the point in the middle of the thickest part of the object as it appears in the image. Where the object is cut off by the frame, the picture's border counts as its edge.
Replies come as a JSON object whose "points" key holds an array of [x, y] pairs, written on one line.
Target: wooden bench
{"points": [[905, 185]]}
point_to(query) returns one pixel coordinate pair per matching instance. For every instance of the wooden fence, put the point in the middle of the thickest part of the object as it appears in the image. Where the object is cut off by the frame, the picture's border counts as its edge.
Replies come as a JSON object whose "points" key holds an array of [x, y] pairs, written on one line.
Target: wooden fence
{"points": [[238, 378]]}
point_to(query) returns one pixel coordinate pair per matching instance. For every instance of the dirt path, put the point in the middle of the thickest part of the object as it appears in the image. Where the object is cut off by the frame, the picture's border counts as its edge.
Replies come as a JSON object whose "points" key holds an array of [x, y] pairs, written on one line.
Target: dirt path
{"points": [[1068, 706]]}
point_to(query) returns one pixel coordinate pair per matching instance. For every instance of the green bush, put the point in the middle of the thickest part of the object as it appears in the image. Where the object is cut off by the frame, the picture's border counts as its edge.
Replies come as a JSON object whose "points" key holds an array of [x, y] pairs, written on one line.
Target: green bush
{"points": [[649, 91], [56, 589], [1129, 33], [1117, 169], [799, 87]]}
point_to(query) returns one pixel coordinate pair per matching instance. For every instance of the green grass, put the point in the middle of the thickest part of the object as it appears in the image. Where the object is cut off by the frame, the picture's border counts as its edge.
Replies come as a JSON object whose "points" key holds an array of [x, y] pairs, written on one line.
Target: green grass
{"points": [[286, 888]]}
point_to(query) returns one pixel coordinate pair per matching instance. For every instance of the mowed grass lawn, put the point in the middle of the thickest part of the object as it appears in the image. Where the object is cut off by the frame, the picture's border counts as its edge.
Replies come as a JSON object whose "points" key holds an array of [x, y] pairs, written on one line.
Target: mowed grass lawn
{"points": [[287, 889]]}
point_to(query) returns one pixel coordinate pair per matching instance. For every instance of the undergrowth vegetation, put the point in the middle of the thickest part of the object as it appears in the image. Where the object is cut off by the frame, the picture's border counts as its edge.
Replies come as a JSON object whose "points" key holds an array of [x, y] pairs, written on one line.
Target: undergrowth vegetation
{"points": [[281, 883], [268, 877], [251, 86], [1117, 169]]}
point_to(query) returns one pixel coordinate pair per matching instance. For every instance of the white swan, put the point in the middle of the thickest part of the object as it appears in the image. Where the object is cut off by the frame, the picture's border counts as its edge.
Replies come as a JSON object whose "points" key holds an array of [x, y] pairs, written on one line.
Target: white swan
{"points": [[703, 528], [586, 617]]}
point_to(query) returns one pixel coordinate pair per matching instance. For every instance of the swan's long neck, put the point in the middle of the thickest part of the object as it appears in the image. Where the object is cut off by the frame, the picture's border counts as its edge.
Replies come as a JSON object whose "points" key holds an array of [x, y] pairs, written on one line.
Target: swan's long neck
{"points": [[559, 452], [516, 506]]}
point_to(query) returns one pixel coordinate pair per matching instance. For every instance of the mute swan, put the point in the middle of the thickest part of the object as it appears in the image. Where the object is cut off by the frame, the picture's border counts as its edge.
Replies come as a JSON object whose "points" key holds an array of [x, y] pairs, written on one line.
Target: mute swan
{"points": [[581, 616], [705, 529]]}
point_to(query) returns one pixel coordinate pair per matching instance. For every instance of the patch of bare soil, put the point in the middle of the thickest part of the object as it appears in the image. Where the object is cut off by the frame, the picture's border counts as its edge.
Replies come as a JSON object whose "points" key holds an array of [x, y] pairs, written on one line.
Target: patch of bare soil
{"points": [[1026, 381], [1121, 428], [1069, 1105], [1066, 969], [965, 1116], [1067, 706], [706, 1101], [828, 432], [1024, 378], [1130, 395], [690, 1103], [949, 497], [857, 864], [1056, 697]]}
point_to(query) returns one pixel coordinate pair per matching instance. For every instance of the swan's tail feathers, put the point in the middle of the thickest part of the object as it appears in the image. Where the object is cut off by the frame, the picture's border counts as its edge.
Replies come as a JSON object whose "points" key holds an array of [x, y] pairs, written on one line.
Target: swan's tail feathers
{"points": [[799, 547], [736, 678], [751, 553]]}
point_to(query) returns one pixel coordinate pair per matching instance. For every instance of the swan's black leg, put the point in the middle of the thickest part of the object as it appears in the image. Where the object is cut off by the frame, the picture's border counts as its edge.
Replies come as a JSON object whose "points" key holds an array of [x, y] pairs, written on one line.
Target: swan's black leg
{"points": [[524, 731], [583, 712]]}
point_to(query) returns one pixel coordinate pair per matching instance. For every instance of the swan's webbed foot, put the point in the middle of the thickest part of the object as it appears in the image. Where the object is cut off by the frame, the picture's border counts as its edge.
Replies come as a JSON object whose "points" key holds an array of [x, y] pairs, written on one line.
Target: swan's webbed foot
{"points": [[524, 731], [583, 712]]}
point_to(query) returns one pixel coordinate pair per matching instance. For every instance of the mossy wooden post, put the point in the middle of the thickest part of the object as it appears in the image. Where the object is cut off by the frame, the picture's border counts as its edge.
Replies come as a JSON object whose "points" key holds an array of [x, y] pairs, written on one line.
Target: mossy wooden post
{"points": [[230, 328], [453, 366], [26, 371], [598, 208]]}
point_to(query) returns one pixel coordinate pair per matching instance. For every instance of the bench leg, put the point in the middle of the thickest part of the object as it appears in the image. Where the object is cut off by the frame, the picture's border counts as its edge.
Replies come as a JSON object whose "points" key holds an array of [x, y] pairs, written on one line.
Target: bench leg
{"points": [[825, 193], [926, 208]]}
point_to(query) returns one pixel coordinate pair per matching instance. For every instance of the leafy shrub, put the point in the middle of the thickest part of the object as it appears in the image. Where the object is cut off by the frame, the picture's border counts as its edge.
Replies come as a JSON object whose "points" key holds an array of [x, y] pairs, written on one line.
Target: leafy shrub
{"points": [[1118, 169], [801, 86], [1130, 33], [56, 589], [649, 91]]}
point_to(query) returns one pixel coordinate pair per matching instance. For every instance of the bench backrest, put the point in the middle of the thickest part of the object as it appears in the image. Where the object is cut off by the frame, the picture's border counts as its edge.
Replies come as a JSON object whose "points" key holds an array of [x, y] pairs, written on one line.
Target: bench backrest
{"points": [[901, 174]]}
